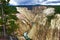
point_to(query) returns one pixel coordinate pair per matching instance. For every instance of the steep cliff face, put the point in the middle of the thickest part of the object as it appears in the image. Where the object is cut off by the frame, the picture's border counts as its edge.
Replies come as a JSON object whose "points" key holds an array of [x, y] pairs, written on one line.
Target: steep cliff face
{"points": [[27, 13], [25, 17], [36, 24], [54, 29], [38, 9]]}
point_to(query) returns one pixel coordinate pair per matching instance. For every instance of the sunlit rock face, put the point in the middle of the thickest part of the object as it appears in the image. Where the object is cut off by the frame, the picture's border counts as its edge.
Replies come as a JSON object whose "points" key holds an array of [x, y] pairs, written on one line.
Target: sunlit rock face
{"points": [[24, 11], [25, 17], [21, 38], [20, 9], [30, 20], [37, 26], [49, 11], [38, 9], [35, 32], [55, 23], [20, 16], [54, 29]]}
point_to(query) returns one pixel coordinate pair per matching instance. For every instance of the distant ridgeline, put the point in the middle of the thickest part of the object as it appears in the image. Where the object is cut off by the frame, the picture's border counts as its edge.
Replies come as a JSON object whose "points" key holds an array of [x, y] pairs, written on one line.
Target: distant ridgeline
{"points": [[57, 8]]}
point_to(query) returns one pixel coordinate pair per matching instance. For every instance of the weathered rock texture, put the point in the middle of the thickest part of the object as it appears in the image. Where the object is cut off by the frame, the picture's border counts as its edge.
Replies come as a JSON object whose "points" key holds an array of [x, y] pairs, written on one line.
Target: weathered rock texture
{"points": [[37, 26]]}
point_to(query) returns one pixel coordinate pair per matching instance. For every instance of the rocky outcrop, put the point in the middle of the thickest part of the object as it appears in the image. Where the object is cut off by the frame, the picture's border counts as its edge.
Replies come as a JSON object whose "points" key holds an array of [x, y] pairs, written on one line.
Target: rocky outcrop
{"points": [[54, 29], [49, 11], [37, 26]]}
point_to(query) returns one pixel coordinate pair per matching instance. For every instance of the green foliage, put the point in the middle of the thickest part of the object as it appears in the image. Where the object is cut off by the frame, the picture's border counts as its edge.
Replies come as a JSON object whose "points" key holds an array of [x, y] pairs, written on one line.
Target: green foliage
{"points": [[10, 10], [57, 8], [12, 28], [1, 22], [10, 17]]}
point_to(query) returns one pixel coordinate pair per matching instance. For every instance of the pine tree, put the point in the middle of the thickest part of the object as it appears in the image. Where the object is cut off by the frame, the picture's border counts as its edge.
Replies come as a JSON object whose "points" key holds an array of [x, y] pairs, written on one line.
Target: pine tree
{"points": [[7, 17]]}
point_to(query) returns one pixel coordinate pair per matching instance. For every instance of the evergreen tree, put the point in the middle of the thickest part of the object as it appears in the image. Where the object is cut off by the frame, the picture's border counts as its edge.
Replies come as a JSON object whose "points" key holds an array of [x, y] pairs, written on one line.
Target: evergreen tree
{"points": [[7, 17]]}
